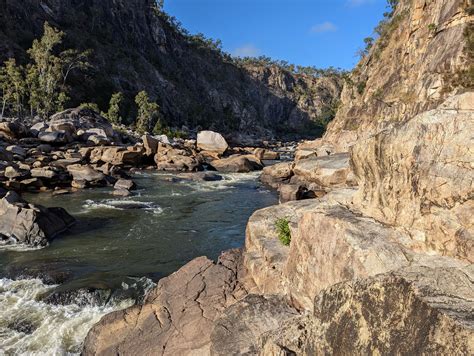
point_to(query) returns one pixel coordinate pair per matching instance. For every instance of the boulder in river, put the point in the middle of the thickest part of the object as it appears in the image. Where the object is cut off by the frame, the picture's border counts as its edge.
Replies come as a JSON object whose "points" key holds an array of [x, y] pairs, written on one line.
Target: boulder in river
{"points": [[237, 164], [35, 225], [125, 184], [211, 141], [85, 173]]}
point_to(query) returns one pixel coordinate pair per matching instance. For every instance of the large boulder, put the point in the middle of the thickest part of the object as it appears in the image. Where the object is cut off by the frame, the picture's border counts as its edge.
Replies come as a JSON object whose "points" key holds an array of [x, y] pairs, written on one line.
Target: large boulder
{"points": [[237, 164], [151, 145], [169, 158], [58, 136], [277, 174], [12, 130], [30, 224], [81, 120], [117, 156], [85, 173], [177, 316], [420, 176], [211, 141]]}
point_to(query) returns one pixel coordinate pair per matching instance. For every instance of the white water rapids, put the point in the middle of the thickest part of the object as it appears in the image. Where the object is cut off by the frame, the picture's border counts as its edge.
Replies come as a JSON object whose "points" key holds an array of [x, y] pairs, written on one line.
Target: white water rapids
{"points": [[29, 326]]}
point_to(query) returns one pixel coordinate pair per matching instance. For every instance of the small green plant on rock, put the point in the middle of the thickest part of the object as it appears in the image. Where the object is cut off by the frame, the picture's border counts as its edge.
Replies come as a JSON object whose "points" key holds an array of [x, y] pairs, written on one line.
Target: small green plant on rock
{"points": [[432, 28], [283, 228]]}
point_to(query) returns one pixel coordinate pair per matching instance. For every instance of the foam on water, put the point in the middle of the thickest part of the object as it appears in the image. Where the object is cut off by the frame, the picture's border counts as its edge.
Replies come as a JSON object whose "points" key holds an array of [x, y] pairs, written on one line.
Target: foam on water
{"points": [[29, 326], [123, 204]]}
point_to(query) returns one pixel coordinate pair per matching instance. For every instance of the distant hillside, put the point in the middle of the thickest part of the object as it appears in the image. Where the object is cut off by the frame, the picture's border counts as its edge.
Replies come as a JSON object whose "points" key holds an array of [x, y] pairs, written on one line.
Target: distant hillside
{"points": [[136, 47]]}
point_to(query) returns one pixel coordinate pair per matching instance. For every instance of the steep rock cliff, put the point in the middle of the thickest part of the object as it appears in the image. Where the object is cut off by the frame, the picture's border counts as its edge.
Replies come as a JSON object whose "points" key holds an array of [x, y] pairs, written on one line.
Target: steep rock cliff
{"points": [[423, 56], [135, 48]]}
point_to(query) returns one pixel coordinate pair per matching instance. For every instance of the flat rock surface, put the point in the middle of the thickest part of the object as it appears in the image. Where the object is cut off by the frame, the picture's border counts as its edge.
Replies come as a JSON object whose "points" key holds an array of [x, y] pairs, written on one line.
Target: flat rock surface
{"points": [[177, 316], [411, 311], [237, 331]]}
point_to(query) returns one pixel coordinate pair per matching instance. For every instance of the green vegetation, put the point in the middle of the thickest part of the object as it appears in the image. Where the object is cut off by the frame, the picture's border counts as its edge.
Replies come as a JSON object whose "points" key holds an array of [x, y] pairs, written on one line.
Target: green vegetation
{"points": [[148, 112], [432, 28], [283, 228], [113, 114], [328, 114], [90, 106], [464, 78], [361, 87], [383, 31], [265, 61], [42, 83], [13, 86]]}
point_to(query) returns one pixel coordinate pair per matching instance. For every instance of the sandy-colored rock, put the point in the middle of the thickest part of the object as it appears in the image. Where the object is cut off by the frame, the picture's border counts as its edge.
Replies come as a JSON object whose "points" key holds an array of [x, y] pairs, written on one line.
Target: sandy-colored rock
{"points": [[324, 232], [237, 164], [329, 171], [125, 184], [420, 176], [277, 174], [211, 141], [237, 331], [177, 316], [85, 173], [151, 145], [265, 154], [385, 89], [412, 311]]}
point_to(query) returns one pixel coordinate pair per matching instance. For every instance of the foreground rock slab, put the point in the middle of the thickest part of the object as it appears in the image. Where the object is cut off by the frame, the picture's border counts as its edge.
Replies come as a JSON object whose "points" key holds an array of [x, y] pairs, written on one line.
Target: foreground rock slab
{"points": [[236, 331], [177, 316], [412, 311]]}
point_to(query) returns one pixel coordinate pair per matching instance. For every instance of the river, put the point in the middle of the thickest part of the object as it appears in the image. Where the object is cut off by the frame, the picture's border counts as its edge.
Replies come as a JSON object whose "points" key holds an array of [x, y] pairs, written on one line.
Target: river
{"points": [[117, 244]]}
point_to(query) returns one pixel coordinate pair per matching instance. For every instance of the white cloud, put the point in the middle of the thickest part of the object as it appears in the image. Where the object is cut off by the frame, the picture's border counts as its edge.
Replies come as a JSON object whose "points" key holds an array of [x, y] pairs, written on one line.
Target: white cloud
{"points": [[247, 50], [324, 27], [355, 3]]}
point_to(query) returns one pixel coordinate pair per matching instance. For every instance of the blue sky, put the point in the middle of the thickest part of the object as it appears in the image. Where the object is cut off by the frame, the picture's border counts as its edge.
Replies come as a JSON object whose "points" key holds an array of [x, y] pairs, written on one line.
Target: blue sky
{"points": [[306, 32]]}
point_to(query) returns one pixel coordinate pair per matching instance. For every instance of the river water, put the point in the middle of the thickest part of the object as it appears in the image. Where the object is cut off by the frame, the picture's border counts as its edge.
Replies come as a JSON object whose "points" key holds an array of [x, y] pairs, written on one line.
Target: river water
{"points": [[117, 244]]}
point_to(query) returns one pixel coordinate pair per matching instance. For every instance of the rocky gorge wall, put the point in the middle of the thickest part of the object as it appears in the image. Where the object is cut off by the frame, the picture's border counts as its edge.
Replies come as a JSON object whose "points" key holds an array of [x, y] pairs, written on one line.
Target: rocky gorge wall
{"points": [[135, 48], [423, 56]]}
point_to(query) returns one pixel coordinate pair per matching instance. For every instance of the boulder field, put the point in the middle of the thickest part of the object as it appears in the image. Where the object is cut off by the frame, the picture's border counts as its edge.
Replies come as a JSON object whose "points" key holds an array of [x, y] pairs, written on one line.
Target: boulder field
{"points": [[381, 263], [78, 149]]}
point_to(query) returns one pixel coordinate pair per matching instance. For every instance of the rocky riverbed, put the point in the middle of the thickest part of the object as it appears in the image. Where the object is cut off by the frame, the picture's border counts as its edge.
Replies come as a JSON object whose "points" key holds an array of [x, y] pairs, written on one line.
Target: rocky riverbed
{"points": [[91, 218], [117, 240]]}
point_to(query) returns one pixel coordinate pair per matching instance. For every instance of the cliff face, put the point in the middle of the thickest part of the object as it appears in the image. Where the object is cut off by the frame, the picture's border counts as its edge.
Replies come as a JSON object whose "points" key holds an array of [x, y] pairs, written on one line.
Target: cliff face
{"points": [[136, 48], [423, 56]]}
